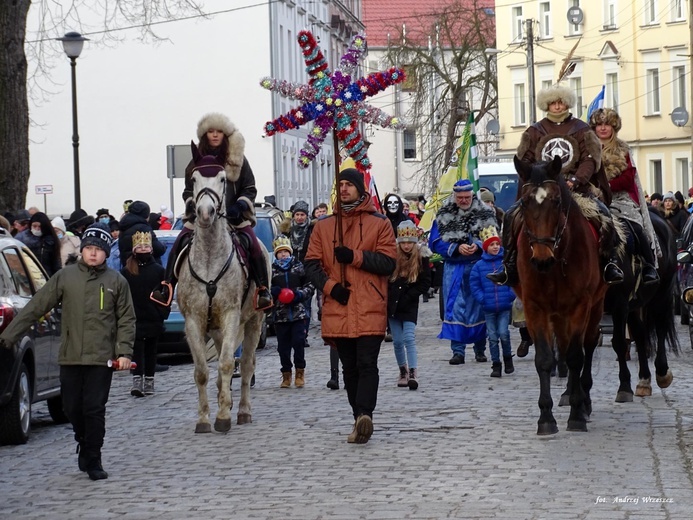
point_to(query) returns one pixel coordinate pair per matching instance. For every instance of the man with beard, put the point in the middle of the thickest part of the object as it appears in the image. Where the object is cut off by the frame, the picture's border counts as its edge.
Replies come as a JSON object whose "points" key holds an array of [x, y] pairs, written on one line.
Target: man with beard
{"points": [[456, 236]]}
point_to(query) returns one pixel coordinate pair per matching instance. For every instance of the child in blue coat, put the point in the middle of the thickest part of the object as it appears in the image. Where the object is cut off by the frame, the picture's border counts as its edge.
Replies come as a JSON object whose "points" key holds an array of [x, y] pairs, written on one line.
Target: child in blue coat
{"points": [[496, 300]]}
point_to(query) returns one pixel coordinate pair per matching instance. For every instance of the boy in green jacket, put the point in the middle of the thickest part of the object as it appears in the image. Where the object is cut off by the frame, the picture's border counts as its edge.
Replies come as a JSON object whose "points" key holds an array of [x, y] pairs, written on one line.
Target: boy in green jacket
{"points": [[98, 325]]}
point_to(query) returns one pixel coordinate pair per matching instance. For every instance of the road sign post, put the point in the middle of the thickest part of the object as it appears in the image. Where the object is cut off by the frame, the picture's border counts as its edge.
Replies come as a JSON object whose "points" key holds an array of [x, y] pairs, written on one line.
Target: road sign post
{"points": [[44, 189]]}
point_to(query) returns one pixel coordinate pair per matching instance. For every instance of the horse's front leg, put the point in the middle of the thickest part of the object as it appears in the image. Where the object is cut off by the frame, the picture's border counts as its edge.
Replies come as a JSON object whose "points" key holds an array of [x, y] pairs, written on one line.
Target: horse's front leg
{"points": [[575, 359], [620, 346], [195, 338], [225, 371], [662, 373], [644, 386], [252, 330], [543, 361]]}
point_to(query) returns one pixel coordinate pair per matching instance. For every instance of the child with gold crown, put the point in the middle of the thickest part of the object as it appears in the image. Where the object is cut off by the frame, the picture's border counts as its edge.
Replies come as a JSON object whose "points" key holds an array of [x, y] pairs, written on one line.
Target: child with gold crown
{"points": [[496, 300]]}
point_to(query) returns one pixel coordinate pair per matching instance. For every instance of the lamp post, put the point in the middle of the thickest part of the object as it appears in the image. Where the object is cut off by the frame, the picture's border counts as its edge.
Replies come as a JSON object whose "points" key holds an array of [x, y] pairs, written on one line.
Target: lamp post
{"points": [[72, 45], [530, 69]]}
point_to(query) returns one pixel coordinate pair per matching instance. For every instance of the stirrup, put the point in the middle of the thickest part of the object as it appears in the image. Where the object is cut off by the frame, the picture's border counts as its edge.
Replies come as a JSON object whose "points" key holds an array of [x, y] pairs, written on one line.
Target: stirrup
{"points": [[499, 277], [167, 303], [257, 295], [619, 274]]}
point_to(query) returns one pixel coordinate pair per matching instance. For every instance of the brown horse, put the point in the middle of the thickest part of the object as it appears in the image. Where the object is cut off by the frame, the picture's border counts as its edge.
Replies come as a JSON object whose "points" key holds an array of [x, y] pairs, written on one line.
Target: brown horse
{"points": [[561, 287]]}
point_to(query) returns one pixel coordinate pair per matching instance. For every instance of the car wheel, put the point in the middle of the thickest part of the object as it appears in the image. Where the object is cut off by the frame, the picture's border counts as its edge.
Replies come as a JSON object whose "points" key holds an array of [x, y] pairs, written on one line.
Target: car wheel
{"points": [[15, 417], [55, 409]]}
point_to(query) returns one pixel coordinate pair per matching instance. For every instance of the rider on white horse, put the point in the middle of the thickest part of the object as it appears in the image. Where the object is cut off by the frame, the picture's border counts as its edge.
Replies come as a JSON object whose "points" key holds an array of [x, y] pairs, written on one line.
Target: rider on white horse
{"points": [[219, 137]]}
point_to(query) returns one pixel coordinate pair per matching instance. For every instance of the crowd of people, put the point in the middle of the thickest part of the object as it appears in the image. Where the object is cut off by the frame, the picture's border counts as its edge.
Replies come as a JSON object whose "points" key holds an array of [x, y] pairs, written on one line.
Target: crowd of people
{"points": [[367, 275]]}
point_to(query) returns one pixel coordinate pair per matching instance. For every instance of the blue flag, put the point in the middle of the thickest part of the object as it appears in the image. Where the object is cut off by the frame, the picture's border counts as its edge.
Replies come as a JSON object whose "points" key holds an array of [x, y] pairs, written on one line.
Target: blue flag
{"points": [[596, 104]]}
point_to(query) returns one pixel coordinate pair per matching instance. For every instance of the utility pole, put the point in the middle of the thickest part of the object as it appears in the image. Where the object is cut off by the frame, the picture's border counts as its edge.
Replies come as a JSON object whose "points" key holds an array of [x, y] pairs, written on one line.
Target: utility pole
{"points": [[530, 71]]}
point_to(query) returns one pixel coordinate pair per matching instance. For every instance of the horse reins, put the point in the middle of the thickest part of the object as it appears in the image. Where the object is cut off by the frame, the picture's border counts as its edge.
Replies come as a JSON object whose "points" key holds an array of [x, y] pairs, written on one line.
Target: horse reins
{"points": [[550, 242]]}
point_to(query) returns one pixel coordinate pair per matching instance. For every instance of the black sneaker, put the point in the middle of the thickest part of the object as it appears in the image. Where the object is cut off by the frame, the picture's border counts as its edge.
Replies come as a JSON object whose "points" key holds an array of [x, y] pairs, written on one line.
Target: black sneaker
{"points": [[456, 359], [480, 358]]}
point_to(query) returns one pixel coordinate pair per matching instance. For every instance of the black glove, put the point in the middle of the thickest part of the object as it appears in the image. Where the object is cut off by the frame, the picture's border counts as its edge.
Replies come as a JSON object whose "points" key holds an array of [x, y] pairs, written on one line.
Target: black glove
{"points": [[4, 344], [275, 290], [235, 213], [298, 296], [340, 293], [344, 255]]}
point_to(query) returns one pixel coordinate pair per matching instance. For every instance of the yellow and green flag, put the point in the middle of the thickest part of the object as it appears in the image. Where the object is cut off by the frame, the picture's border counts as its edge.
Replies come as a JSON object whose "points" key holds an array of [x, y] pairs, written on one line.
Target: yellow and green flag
{"points": [[463, 165]]}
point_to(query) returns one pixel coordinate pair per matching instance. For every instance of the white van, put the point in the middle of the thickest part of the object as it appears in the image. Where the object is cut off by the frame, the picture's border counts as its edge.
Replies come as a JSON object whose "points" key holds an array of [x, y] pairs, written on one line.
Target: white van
{"points": [[501, 178]]}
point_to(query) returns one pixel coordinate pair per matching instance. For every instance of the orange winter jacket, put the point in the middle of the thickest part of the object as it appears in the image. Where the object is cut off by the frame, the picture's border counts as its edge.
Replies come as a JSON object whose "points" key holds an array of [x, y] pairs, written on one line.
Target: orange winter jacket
{"points": [[369, 234]]}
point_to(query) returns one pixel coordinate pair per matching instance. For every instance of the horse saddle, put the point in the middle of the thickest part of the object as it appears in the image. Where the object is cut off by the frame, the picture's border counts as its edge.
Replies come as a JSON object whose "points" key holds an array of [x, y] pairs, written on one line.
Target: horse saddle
{"points": [[241, 243]]}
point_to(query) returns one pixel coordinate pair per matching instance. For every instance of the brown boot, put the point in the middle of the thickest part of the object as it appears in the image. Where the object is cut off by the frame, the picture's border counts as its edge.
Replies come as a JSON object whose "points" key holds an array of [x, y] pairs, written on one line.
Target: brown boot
{"points": [[286, 380], [403, 381], [351, 439], [300, 380], [363, 428]]}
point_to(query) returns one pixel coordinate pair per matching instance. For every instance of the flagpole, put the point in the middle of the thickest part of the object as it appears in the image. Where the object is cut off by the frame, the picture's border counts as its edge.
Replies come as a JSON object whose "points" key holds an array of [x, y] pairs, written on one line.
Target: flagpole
{"points": [[338, 203]]}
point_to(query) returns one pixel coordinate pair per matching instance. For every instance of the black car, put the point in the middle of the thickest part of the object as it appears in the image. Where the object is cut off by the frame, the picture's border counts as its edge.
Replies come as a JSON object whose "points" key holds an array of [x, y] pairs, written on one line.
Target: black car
{"points": [[29, 371]]}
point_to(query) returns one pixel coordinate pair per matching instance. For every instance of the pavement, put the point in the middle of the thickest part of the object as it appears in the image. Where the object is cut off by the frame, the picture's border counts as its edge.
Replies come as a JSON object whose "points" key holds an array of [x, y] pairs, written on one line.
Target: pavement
{"points": [[462, 446]]}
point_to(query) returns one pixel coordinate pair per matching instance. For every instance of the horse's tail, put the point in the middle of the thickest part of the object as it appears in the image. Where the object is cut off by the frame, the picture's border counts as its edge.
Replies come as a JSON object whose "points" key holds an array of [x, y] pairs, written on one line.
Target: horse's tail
{"points": [[660, 318]]}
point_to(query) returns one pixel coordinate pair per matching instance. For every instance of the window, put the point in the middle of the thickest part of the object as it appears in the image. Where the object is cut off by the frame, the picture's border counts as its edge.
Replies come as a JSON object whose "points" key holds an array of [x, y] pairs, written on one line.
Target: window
{"points": [[656, 176], [576, 86], [650, 12], [409, 136], [652, 89], [611, 97], [520, 105], [545, 19], [683, 177], [410, 79], [21, 279], [679, 83], [373, 66], [518, 22], [609, 14], [574, 29], [677, 12]]}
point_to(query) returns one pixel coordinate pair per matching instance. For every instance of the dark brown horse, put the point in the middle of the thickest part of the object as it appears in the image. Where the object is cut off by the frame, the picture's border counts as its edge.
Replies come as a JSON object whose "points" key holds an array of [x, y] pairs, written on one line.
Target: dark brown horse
{"points": [[560, 286]]}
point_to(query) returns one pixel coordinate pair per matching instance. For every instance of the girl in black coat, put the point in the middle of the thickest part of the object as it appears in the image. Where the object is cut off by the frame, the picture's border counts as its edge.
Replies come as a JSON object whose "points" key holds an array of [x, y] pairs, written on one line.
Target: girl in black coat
{"points": [[40, 237], [411, 279], [143, 275]]}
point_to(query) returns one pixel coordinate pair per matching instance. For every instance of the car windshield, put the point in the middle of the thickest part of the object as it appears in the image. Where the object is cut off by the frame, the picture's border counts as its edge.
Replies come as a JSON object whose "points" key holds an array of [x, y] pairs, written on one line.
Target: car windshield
{"points": [[503, 186]]}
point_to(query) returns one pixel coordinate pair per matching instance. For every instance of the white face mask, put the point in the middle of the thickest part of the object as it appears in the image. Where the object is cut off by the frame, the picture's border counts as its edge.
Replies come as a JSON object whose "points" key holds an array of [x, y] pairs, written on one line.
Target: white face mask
{"points": [[36, 232], [392, 205]]}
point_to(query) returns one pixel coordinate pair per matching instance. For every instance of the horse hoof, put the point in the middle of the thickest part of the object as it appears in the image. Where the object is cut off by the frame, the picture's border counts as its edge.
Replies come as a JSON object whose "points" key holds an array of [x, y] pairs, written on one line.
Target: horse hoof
{"points": [[624, 397], [565, 400], [203, 428], [643, 391], [222, 425], [547, 429], [665, 381], [577, 426], [244, 418]]}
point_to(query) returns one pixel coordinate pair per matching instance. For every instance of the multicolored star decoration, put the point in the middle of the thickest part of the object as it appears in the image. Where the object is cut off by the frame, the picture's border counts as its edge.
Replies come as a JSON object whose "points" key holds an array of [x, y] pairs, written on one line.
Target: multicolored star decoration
{"points": [[333, 101]]}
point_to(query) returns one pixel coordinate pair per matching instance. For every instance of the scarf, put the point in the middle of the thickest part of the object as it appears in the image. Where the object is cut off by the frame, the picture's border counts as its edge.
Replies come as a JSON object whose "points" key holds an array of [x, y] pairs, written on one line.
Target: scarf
{"points": [[348, 207], [614, 152], [558, 118], [298, 235], [461, 226]]}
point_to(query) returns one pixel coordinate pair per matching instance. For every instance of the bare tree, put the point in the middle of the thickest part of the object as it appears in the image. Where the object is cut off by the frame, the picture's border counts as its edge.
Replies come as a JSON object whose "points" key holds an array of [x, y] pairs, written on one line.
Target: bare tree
{"points": [[54, 19], [442, 53]]}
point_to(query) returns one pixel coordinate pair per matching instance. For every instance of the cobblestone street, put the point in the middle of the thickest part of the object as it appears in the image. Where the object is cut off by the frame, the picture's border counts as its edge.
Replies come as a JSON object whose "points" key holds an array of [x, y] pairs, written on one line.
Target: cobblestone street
{"points": [[462, 446]]}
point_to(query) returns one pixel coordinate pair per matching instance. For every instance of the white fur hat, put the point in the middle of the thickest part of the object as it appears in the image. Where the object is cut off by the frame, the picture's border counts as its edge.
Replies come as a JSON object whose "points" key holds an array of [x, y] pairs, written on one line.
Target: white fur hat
{"points": [[216, 121], [548, 95]]}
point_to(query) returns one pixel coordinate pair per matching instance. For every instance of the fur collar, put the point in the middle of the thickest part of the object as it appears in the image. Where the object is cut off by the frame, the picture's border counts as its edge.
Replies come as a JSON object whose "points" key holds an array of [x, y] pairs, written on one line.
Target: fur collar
{"points": [[463, 226]]}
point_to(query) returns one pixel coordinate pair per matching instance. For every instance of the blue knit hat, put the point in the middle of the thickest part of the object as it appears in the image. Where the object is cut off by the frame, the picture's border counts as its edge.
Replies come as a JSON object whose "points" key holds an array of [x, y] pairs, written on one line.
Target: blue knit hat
{"points": [[462, 185]]}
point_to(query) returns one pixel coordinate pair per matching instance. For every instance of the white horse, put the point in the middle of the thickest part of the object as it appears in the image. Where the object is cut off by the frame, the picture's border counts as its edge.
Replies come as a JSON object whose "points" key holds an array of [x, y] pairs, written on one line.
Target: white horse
{"points": [[215, 296]]}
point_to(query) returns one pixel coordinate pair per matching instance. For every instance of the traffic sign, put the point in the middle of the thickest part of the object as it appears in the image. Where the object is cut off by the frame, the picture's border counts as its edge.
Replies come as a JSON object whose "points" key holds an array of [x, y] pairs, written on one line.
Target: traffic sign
{"points": [[44, 189]]}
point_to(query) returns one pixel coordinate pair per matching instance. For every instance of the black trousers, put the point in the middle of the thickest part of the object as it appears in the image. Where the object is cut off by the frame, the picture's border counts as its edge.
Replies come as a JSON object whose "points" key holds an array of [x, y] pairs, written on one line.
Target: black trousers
{"points": [[144, 354], [85, 391], [359, 357], [291, 335]]}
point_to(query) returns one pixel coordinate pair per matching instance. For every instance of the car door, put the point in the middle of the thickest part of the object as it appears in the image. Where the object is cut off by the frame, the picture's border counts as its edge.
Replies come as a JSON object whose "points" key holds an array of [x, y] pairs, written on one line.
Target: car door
{"points": [[23, 291], [46, 329]]}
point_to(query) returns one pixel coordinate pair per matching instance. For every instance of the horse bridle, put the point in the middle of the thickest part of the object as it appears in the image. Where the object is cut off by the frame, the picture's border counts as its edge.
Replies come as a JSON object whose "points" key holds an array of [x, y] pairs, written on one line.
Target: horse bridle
{"points": [[551, 242]]}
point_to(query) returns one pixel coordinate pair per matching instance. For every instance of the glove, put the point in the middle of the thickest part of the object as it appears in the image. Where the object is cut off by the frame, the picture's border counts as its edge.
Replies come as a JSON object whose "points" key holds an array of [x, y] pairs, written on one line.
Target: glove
{"points": [[275, 290], [4, 344], [340, 293], [344, 255], [235, 212], [298, 296]]}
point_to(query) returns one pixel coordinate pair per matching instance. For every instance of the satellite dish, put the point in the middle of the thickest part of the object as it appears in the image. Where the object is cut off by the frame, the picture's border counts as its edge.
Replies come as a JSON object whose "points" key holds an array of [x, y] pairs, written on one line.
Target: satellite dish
{"points": [[679, 116], [492, 127]]}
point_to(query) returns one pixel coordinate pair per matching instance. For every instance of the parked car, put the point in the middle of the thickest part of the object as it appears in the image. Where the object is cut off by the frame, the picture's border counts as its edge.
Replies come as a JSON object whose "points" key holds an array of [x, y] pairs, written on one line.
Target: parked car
{"points": [[29, 371], [172, 340], [501, 178]]}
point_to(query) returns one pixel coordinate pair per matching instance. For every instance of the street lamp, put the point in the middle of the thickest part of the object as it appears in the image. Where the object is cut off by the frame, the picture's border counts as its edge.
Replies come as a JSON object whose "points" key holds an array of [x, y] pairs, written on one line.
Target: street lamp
{"points": [[530, 69], [72, 45]]}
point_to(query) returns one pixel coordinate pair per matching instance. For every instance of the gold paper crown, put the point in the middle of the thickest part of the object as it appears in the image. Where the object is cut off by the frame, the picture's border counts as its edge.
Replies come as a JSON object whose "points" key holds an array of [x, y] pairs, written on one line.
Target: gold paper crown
{"points": [[489, 232], [141, 238], [280, 243], [407, 232]]}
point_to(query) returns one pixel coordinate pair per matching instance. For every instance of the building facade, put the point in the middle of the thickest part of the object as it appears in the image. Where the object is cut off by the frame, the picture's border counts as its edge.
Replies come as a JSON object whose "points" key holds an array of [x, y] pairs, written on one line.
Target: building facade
{"points": [[638, 50]]}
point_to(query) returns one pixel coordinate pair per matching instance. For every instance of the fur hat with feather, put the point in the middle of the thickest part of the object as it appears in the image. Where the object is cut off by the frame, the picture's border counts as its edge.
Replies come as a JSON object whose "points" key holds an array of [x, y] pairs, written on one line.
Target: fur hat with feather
{"points": [[235, 155]]}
